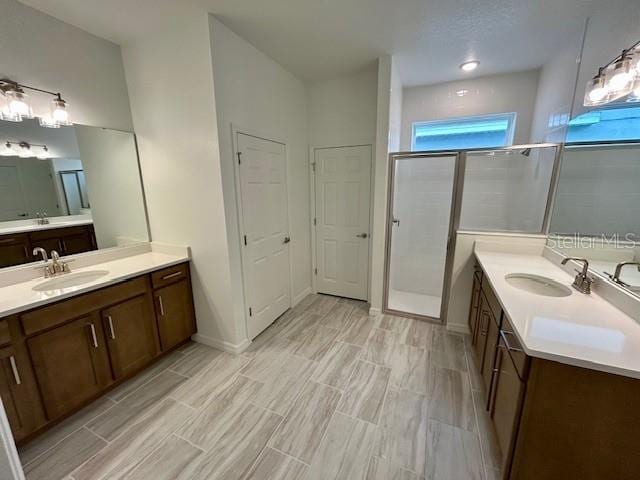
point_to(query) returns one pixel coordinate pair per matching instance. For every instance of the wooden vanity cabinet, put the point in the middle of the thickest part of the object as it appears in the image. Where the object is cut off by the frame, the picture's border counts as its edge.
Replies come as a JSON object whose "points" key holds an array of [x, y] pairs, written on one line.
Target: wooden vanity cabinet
{"points": [[132, 335], [14, 250], [475, 303], [71, 364], [57, 358], [174, 306]]}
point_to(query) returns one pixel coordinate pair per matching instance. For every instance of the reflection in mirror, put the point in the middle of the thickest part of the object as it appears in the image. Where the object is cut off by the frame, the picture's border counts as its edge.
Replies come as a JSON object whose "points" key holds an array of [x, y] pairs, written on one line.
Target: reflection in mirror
{"points": [[71, 189]]}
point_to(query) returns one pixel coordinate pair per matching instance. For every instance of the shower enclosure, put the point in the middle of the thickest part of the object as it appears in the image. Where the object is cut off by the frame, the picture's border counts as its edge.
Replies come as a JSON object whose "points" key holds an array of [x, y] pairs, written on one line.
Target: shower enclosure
{"points": [[433, 195]]}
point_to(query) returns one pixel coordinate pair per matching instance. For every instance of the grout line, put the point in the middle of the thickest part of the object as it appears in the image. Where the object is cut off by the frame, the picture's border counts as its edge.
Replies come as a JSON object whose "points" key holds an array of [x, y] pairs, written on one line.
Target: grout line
{"points": [[177, 435], [288, 456]]}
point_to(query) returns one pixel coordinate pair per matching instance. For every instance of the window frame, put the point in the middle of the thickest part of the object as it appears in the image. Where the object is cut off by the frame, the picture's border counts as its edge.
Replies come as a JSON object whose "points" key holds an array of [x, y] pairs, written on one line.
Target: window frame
{"points": [[511, 117]]}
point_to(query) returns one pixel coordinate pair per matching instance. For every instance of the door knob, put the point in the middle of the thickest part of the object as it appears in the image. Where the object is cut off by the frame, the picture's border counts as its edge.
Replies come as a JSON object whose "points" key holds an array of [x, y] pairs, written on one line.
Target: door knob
{"points": [[362, 235], [286, 240], [395, 221]]}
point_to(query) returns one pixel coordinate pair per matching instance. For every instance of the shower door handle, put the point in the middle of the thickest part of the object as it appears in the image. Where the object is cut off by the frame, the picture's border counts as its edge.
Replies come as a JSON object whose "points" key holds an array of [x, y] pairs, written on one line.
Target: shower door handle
{"points": [[395, 221], [362, 235]]}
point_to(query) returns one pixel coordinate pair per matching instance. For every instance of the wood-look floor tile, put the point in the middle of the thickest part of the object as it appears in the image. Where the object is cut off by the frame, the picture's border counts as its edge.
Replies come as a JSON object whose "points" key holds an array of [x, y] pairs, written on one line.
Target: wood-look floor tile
{"points": [[118, 418], [450, 399], [447, 341], [345, 450], [51, 437], [381, 469], [224, 426], [300, 433], [490, 447], [493, 473], [338, 364], [131, 385], [197, 360], [283, 377], [198, 390], [306, 302], [337, 316], [65, 457], [380, 346], [477, 382], [240, 390], [315, 342], [167, 462], [128, 451], [298, 326], [357, 329], [399, 325], [233, 436], [419, 333], [452, 453], [322, 304], [365, 394], [273, 465], [403, 430], [409, 368], [447, 359]]}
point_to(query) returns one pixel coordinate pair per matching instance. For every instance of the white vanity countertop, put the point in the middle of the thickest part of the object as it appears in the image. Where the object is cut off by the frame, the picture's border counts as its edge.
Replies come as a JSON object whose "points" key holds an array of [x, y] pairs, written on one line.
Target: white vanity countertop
{"points": [[34, 227], [580, 330], [20, 297]]}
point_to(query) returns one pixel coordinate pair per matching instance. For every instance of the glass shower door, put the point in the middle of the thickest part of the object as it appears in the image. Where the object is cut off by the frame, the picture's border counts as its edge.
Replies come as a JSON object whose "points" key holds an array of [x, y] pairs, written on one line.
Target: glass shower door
{"points": [[419, 229]]}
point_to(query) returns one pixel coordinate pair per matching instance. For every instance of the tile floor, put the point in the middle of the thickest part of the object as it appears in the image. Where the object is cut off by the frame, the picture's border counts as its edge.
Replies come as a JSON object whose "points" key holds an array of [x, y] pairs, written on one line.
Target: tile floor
{"points": [[326, 392]]}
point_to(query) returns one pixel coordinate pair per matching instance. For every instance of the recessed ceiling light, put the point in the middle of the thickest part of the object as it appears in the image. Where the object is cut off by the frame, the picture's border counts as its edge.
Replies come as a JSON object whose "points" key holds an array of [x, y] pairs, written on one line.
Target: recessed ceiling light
{"points": [[462, 93], [469, 66]]}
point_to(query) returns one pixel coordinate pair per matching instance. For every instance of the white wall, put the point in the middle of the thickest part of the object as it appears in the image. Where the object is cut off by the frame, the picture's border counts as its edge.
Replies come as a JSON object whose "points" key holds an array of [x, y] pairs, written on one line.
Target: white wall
{"points": [[110, 163], [512, 92], [395, 109], [43, 52], [342, 111], [258, 96], [173, 108]]}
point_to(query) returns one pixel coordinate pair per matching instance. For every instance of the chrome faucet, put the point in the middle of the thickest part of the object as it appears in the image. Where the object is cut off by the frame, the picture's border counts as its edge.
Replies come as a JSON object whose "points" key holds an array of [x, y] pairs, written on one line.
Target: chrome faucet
{"points": [[616, 275], [56, 267], [41, 218], [582, 282]]}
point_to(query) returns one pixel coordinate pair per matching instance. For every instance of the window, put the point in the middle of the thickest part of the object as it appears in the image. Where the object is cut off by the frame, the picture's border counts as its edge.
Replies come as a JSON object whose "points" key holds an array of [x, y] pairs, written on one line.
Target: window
{"points": [[608, 124], [486, 131]]}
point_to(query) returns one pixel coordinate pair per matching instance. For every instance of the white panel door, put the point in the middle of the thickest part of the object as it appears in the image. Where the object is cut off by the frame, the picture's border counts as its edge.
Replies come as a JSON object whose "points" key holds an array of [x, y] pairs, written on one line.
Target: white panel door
{"points": [[263, 190], [12, 201], [343, 188]]}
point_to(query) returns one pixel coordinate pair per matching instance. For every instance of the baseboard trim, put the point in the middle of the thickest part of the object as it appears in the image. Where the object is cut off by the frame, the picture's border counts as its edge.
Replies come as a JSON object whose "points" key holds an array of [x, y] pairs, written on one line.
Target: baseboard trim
{"points": [[298, 298], [374, 312], [457, 328], [221, 344]]}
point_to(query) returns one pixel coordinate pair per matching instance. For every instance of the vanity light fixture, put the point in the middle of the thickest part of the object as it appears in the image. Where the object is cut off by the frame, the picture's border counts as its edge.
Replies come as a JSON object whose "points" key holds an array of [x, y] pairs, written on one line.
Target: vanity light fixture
{"points": [[462, 92], [616, 79], [15, 105], [470, 66], [25, 150]]}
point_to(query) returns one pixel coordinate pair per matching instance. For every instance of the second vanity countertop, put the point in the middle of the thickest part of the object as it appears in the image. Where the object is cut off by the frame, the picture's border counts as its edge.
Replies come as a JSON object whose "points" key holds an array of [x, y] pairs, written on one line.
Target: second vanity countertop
{"points": [[19, 297], [580, 330], [34, 227]]}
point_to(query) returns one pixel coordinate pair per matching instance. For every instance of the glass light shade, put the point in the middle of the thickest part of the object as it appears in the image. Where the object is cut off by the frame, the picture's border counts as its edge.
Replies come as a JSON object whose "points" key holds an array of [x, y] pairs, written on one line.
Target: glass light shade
{"points": [[5, 114], [59, 112], [44, 153], [620, 78], [19, 104], [597, 92], [48, 122], [25, 152], [7, 150], [635, 61]]}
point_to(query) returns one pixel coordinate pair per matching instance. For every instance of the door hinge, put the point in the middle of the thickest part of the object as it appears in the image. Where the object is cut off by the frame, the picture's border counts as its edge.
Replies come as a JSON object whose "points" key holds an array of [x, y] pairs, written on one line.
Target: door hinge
{"points": [[239, 160], [313, 165], [315, 221], [245, 240], [315, 270], [250, 312]]}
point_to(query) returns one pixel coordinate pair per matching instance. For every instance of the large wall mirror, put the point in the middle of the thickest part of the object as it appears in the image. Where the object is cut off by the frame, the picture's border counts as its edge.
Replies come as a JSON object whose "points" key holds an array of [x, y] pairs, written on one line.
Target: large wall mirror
{"points": [[71, 189], [596, 211]]}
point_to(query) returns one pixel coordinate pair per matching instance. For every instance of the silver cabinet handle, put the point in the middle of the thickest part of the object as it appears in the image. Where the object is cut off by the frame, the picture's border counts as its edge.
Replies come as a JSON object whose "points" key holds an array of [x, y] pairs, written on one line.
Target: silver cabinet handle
{"points": [[172, 275], [161, 305], [14, 368], [94, 337], [503, 334], [111, 330], [362, 235], [286, 240]]}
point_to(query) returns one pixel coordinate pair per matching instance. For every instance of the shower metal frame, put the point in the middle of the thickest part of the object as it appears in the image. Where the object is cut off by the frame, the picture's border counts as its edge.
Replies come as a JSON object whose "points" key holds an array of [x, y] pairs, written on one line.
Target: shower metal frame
{"points": [[454, 217]]}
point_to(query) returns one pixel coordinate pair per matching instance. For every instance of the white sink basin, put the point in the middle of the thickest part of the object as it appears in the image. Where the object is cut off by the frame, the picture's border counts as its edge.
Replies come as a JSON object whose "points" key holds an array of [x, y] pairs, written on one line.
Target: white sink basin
{"points": [[70, 280], [538, 285]]}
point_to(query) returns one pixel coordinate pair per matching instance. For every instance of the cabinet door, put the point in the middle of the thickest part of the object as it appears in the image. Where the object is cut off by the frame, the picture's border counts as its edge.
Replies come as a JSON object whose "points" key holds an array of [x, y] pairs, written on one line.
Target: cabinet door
{"points": [[77, 243], [19, 394], [14, 250], [490, 351], [506, 402], [174, 308], [71, 364], [481, 336], [131, 335], [48, 244], [473, 309]]}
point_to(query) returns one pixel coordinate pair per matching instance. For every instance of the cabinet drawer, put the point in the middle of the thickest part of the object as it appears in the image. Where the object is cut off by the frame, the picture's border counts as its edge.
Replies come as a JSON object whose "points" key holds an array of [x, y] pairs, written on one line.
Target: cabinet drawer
{"points": [[492, 301], [169, 275], [61, 312], [5, 337], [513, 346]]}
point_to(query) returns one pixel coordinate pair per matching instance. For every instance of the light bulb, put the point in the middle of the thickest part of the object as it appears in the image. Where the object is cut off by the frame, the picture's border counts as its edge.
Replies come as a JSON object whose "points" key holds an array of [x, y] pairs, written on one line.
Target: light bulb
{"points": [[59, 112], [44, 154], [469, 66], [619, 78], [597, 92], [48, 122], [8, 150], [19, 106], [25, 151]]}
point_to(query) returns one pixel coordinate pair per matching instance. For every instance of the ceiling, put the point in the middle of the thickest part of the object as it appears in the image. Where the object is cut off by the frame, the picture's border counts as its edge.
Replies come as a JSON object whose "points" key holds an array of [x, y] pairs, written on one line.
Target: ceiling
{"points": [[320, 39]]}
